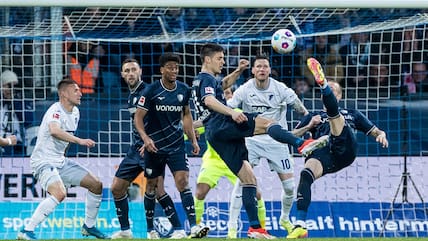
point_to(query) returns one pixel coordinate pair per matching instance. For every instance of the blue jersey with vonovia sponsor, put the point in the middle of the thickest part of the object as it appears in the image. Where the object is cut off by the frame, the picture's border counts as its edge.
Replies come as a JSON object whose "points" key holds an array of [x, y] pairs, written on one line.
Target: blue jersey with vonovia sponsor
{"points": [[353, 118], [132, 107], [165, 109], [205, 84]]}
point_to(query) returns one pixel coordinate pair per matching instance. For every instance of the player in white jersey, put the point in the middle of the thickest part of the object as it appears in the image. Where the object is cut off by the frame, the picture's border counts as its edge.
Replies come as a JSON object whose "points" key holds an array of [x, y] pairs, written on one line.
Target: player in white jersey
{"points": [[265, 95], [54, 171]]}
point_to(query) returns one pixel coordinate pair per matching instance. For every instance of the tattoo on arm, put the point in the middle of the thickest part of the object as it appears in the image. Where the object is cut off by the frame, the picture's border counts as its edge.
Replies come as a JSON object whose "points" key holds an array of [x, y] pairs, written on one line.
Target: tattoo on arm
{"points": [[299, 107]]}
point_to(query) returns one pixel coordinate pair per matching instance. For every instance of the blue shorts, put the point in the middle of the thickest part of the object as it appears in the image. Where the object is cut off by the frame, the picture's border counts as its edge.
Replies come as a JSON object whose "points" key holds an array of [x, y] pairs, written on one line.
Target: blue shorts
{"points": [[228, 139], [339, 153], [156, 163], [131, 166]]}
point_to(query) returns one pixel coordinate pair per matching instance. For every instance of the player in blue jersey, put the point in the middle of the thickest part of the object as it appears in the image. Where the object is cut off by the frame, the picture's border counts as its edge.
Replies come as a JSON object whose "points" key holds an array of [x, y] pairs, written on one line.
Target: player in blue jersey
{"points": [[133, 164], [226, 129], [164, 107], [342, 148]]}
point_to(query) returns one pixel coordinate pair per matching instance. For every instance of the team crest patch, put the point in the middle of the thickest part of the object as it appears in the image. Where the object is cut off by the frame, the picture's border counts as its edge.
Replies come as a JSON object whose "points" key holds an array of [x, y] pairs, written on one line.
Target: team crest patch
{"points": [[56, 116], [180, 97], [142, 100], [209, 90]]}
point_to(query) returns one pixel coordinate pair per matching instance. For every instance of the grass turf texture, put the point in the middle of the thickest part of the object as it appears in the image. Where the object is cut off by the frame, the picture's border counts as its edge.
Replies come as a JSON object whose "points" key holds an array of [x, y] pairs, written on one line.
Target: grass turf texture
{"points": [[279, 239]]}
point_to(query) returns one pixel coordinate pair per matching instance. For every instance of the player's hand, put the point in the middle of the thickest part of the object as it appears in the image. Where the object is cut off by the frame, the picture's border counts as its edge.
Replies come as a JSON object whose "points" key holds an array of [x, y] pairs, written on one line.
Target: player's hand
{"points": [[381, 138], [196, 148], [149, 145], [316, 120], [12, 140], [243, 65], [141, 150], [197, 135], [239, 117], [87, 142]]}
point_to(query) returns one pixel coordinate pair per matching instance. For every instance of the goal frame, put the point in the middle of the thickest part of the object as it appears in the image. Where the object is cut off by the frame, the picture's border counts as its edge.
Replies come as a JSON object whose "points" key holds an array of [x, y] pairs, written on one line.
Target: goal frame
{"points": [[221, 3]]}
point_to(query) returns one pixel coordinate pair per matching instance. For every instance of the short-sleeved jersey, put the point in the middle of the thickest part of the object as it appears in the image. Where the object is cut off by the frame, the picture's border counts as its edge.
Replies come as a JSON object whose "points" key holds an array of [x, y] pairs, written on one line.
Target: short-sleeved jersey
{"points": [[353, 118], [204, 85], [132, 107], [270, 102], [48, 149], [164, 114]]}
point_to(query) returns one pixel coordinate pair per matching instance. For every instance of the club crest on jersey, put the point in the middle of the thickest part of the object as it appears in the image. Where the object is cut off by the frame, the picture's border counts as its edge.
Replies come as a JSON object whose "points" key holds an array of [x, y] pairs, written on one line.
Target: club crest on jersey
{"points": [[209, 90], [56, 115], [142, 100], [180, 97]]}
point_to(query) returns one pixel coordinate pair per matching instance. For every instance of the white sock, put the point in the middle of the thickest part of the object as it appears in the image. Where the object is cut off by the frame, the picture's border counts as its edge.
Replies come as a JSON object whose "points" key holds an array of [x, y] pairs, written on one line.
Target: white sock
{"points": [[287, 198], [235, 205], [91, 209], [46, 207]]}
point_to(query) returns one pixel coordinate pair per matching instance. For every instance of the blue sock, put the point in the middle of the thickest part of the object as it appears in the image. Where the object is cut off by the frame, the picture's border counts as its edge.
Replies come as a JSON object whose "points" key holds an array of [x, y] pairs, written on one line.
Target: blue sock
{"points": [[250, 203], [122, 210], [189, 206], [282, 135], [330, 102], [168, 207], [304, 193], [149, 205]]}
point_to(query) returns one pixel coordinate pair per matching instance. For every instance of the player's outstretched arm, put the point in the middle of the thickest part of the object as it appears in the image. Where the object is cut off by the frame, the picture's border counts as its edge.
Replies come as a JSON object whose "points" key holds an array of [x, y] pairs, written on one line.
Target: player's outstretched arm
{"points": [[57, 132], [380, 137], [231, 78], [315, 120]]}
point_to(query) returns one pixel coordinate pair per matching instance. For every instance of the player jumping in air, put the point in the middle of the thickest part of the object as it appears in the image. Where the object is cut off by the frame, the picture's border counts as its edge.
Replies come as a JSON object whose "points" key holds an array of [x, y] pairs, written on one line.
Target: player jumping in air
{"points": [[341, 151], [226, 130]]}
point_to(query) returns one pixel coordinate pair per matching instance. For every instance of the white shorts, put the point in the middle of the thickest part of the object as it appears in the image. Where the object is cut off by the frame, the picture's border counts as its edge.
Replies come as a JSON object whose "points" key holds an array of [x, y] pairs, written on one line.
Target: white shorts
{"points": [[71, 174], [277, 155]]}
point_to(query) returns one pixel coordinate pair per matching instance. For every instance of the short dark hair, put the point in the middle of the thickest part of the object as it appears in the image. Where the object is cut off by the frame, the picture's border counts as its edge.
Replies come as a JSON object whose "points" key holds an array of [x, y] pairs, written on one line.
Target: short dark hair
{"points": [[65, 82], [167, 57], [130, 60], [260, 56], [210, 49]]}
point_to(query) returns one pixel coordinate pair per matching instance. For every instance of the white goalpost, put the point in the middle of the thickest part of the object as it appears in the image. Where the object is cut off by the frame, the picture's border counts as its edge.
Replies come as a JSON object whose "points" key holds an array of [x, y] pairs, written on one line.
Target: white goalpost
{"points": [[225, 3]]}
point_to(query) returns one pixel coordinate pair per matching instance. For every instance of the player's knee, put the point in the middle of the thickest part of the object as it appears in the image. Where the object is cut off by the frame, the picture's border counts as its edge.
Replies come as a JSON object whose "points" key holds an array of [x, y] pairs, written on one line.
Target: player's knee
{"points": [[182, 184], [248, 178], [96, 187], [200, 194], [59, 194], [151, 186], [262, 124], [117, 191]]}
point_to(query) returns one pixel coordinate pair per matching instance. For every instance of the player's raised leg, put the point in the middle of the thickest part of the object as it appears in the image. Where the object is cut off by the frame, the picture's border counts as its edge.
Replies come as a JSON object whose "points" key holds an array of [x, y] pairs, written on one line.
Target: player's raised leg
{"points": [[331, 92]]}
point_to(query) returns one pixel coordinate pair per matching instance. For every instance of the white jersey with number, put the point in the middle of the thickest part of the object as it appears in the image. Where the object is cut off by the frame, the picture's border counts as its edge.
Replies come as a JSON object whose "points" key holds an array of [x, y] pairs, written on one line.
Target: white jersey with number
{"points": [[50, 150], [270, 102]]}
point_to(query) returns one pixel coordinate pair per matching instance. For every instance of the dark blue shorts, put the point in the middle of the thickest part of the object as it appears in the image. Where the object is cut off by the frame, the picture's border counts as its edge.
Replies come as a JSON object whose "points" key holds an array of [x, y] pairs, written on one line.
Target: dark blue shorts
{"points": [[131, 166], [339, 153], [228, 139], [156, 163]]}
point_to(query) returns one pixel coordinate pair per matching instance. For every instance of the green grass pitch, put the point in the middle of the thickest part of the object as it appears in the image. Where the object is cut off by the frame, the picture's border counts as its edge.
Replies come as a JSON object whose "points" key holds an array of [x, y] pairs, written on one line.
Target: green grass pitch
{"points": [[280, 239]]}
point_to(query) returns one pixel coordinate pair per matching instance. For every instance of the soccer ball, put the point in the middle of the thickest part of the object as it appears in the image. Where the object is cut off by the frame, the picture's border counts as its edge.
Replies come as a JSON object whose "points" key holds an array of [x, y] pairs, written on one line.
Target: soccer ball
{"points": [[283, 41]]}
